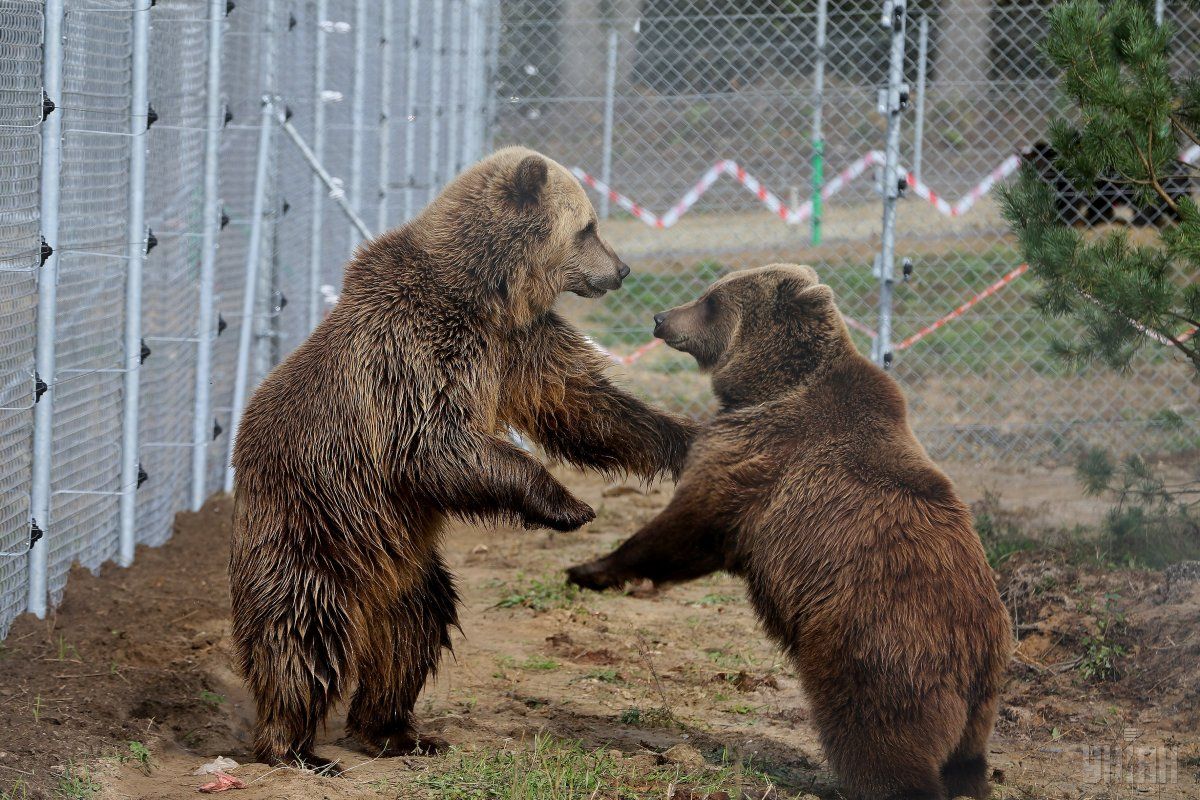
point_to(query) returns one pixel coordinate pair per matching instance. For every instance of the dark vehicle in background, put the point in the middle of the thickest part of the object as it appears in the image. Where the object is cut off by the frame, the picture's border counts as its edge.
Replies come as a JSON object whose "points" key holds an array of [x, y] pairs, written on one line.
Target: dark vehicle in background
{"points": [[1110, 199]]}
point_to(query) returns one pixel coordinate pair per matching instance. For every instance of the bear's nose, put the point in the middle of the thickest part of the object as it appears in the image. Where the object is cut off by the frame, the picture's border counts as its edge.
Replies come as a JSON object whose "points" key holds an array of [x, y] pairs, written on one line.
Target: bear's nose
{"points": [[659, 319], [623, 270]]}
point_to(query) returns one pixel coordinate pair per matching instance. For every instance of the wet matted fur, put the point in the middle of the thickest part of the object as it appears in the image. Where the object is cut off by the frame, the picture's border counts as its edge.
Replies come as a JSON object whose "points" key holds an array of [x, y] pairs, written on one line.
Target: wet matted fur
{"points": [[859, 556], [390, 417]]}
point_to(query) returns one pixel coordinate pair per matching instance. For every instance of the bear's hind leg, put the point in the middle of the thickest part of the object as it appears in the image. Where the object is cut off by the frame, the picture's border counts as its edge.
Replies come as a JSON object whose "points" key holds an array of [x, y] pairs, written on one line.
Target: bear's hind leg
{"points": [[965, 773], [295, 666], [407, 642]]}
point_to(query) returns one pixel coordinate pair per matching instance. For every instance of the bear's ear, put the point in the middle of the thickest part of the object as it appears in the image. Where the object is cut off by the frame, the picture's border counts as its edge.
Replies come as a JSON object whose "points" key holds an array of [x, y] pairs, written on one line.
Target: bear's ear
{"points": [[528, 181], [796, 296]]}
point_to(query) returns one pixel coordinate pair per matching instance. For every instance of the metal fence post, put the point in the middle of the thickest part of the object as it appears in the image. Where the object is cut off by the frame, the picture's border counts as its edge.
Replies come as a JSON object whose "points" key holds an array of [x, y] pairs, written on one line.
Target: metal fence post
{"points": [[893, 100], [43, 412], [438, 51], [922, 73], [202, 422], [1159, 11], [413, 38], [474, 94], [385, 116], [493, 66], [315, 230], [454, 100], [818, 135], [610, 90], [137, 238], [358, 105], [254, 244]]}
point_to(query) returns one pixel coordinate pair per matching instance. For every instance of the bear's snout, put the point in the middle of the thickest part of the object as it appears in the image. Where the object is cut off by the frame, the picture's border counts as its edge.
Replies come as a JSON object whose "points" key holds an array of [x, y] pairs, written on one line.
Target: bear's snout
{"points": [[623, 270]]}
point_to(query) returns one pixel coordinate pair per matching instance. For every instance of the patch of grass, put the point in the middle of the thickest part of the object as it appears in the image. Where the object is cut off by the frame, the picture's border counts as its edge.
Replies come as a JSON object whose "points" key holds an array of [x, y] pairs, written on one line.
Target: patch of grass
{"points": [[541, 663], [17, 790], [1103, 650], [65, 649], [605, 675], [556, 769], [76, 784], [141, 756], [211, 699], [649, 718], [539, 594]]}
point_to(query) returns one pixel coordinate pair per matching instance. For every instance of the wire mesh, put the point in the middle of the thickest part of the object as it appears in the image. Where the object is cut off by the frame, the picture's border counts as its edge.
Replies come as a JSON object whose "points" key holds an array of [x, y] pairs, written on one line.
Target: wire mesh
{"points": [[93, 208], [20, 156], [174, 204], [712, 155]]}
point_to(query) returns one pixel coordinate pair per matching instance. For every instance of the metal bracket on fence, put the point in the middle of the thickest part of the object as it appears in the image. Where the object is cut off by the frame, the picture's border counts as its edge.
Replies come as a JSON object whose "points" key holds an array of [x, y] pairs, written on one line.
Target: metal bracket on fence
{"points": [[893, 100]]}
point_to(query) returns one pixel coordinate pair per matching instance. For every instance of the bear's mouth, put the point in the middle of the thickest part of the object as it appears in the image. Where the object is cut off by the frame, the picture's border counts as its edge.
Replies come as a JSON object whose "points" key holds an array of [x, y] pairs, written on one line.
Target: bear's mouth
{"points": [[589, 290]]}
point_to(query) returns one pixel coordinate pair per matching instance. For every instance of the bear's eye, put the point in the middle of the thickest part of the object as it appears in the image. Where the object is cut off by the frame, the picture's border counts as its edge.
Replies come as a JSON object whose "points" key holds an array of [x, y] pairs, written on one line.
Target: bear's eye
{"points": [[710, 304], [588, 230]]}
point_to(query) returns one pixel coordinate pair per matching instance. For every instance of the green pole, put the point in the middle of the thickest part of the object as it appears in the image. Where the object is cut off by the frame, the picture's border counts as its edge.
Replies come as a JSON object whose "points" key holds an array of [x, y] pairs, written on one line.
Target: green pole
{"points": [[818, 136], [818, 181]]}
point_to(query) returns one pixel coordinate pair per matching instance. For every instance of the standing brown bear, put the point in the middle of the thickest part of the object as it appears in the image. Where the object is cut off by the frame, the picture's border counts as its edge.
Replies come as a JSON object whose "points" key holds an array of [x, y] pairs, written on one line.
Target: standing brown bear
{"points": [[355, 449], [859, 556]]}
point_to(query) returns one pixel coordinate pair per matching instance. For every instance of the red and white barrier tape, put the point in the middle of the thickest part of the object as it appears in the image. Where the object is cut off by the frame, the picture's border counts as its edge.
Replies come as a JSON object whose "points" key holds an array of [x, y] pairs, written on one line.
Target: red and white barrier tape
{"points": [[794, 216], [734, 170]]}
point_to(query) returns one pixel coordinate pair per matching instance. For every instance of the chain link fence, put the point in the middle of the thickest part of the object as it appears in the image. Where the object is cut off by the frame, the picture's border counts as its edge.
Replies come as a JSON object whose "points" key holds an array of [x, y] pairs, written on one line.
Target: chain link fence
{"points": [[725, 135], [713, 136], [111, 328]]}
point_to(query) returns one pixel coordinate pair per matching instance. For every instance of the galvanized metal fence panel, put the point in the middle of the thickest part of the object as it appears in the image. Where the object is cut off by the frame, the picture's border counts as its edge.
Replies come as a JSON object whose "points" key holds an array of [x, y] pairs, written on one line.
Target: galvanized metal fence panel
{"points": [[92, 267], [20, 246], [174, 202]]}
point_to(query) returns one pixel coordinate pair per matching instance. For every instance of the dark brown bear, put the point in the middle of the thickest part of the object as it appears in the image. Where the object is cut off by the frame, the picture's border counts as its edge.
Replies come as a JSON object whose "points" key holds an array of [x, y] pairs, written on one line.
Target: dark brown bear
{"points": [[859, 557], [390, 417]]}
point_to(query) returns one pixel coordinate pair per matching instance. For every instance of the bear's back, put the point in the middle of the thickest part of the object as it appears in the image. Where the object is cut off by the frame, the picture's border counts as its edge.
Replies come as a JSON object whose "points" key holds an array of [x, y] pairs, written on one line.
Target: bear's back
{"points": [[858, 534]]}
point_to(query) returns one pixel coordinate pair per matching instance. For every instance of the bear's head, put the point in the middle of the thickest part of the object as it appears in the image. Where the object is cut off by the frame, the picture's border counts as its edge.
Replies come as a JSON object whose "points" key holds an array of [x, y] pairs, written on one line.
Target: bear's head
{"points": [[522, 226], [759, 331]]}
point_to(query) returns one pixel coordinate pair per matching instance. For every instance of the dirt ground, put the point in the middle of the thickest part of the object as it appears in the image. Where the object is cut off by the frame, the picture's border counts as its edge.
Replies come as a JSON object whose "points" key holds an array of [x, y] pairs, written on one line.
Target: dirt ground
{"points": [[128, 688]]}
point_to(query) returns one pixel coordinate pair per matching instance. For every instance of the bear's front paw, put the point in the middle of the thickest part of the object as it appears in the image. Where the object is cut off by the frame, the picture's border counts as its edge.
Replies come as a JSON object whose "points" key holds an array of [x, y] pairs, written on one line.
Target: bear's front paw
{"points": [[572, 515], [593, 575], [567, 514]]}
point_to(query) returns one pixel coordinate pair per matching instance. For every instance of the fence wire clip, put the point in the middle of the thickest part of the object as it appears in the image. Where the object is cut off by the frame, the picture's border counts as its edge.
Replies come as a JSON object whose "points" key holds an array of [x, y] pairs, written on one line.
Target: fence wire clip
{"points": [[228, 116], [907, 270], [143, 476], [151, 240], [145, 352], [35, 532], [224, 218], [887, 360], [285, 207], [47, 105], [217, 429], [893, 13], [39, 388], [46, 251], [151, 115], [229, 7], [221, 324]]}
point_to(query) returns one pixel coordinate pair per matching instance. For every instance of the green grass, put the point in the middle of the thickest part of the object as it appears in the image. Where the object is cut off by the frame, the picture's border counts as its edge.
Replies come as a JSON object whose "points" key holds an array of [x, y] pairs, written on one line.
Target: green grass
{"points": [[557, 769], [539, 594], [17, 790], [76, 784]]}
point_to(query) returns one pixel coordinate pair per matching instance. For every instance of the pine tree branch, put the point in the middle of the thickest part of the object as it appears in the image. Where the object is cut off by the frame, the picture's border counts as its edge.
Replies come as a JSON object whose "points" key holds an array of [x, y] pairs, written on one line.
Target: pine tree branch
{"points": [[1184, 129], [1148, 163]]}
